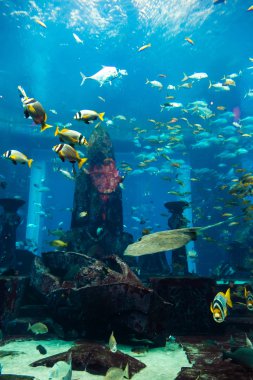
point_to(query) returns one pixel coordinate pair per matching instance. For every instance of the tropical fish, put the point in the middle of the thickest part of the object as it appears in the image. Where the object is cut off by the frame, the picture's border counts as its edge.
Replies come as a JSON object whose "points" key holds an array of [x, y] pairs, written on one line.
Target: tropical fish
{"points": [[189, 40], [185, 85], [250, 8], [112, 343], [248, 342], [197, 76], [83, 214], [161, 241], [166, 240], [61, 371], [105, 75], [154, 83], [77, 39], [70, 136], [34, 109], [144, 47], [87, 116], [249, 299], [218, 86], [41, 23], [58, 243], [67, 152], [38, 328], [219, 306], [171, 87], [17, 157], [115, 373]]}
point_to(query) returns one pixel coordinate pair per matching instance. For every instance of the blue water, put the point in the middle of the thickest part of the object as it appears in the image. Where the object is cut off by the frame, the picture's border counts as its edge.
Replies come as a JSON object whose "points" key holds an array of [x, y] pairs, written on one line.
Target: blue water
{"points": [[47, 63]]}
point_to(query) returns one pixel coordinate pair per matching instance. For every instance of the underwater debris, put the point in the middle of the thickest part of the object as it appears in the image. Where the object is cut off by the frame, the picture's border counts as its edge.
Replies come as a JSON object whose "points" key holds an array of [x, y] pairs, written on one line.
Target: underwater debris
{"points": [[41, 349]]}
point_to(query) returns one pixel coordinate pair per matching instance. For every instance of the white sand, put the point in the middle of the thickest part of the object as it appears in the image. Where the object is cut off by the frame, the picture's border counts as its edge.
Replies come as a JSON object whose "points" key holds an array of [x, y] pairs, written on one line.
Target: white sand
{"points": [[161, 363]]}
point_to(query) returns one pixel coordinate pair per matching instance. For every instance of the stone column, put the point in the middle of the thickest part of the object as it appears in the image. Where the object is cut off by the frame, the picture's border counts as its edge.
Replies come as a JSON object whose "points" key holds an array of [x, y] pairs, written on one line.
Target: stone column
{"points": [[98, 193], [9, 221], [177, 220]]}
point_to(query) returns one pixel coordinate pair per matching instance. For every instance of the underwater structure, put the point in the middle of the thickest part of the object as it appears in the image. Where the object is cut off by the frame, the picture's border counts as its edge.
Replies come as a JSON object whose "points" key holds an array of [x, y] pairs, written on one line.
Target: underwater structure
{"points": [[9, 221], [177, 220], [98, 194]]}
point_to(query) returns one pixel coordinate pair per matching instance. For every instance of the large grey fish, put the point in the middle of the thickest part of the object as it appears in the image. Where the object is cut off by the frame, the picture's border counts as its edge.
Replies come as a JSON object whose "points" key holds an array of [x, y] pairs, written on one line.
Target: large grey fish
{"points": [[161, 241], [166, 240], [242, 356]]}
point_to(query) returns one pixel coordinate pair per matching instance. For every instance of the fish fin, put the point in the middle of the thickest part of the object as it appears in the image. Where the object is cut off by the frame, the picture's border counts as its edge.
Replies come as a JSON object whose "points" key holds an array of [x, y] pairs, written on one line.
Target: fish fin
{"points": [[29, 162], [101, 116], [211, 307], [86, 121], [61, 156], [147, 81], [82, 162], [210, 84], [26, 113], [29, 327], [126, 372], [185, 78], [57, 131], [83, 78], [44, 127], [228, 298]]}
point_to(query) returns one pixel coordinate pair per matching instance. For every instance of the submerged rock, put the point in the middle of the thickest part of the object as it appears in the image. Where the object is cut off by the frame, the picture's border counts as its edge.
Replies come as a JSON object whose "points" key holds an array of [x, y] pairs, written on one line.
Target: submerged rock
{"points": [[93, 358]]}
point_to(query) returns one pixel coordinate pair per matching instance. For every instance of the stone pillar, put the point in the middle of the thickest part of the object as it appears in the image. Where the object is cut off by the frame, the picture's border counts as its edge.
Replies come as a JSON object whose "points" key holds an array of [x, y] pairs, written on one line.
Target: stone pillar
{"points": [[98, 194], [177, 220], [9, 221]]}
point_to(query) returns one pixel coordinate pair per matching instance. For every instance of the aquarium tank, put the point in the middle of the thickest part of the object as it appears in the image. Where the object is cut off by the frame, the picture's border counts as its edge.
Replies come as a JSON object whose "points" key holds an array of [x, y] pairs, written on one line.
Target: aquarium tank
{"points": [[126, 183]]}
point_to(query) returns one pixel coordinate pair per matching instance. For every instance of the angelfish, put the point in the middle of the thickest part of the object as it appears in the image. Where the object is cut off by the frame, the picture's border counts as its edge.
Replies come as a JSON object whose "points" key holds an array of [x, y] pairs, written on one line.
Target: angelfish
{"points": [[34, 109], [219, 306], [17, 157], [66, 152], [249, 299]]}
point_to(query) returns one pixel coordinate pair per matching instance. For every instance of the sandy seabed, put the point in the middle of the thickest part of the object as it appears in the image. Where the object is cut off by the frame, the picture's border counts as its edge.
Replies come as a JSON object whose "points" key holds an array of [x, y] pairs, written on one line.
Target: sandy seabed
{"points": [[162, 364]]}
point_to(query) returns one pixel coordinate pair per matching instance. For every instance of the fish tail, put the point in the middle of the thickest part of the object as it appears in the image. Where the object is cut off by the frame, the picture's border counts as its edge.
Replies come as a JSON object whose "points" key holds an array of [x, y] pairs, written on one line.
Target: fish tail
{"points": [[126, 370], [185, 78], [81, 162], [101, 116], [210, 84], [44, 127], [83, 78], [57, 131], [29, 162], [228, 298], [147, 81], [29, 327]]}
